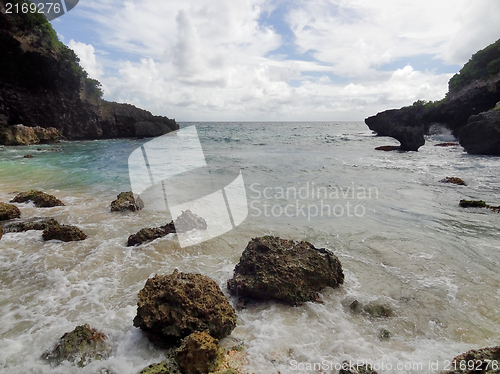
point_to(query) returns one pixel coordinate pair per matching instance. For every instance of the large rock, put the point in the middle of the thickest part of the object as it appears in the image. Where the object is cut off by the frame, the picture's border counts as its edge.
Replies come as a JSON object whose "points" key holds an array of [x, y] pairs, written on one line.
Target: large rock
{"points": [[405, 125], [23, 135], [484, 361], [81, 346], [43, 87], [171, 307], [272, 268], [126, 201], [36, 223], [39, 198], [199, 353], [8, 211], [65, 233], [188, 221], [481, 135]]}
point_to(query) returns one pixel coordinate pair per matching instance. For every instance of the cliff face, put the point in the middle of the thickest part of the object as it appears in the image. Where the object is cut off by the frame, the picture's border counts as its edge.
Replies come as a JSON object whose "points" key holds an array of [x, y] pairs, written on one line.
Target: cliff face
{"points": [[473, 92], [42, 84]]}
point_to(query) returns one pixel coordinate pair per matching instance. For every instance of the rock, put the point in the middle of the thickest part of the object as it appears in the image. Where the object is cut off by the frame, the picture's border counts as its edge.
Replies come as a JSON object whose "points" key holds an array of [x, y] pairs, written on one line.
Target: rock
{"points": [[484, 361], [472, 204], [8, 211], [356, 368], [388, 148], [24, 135], [39, 198], [42, 85], [171, 307], [81, 346], [36, 223], [65, 233], [272, 268], [453, 180], [149, 234], [161, 368], [384, 334], [405, 125], [446, 144], [28, 156], [481, 135], [199, 353], [126, 201], [1, 232], [188, 221], [372, 309]]}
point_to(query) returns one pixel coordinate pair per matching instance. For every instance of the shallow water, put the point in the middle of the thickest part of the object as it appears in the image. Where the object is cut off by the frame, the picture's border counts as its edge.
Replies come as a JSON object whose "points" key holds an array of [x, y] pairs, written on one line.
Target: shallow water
{"points": [[398, 232]]}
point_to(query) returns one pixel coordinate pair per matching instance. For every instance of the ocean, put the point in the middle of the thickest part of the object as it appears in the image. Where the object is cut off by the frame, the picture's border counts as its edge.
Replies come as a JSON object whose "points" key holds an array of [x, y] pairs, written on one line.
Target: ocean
{"points": [[398, 231]]}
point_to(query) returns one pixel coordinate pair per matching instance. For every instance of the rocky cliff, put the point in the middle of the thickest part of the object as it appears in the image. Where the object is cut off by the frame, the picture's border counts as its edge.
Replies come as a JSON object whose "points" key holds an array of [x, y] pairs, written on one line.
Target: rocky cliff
{"points": [[468, 109], [43, 85]]}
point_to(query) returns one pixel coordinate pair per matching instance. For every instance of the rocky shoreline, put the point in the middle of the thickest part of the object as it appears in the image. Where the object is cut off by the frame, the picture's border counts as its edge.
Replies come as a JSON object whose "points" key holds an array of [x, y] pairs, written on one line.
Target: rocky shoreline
{"points": [[186, 315], [471, 109]]}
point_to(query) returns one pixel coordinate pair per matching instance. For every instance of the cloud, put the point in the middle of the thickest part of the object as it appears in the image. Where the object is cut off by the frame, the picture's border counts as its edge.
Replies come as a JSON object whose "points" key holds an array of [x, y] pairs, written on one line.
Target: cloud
{"points": [[282, 60], [87, 57]]}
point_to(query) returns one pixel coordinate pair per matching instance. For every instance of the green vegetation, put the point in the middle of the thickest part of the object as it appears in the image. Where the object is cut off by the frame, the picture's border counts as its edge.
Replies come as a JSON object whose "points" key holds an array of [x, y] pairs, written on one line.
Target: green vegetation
{"points": [[482, 65], [46, 40]]}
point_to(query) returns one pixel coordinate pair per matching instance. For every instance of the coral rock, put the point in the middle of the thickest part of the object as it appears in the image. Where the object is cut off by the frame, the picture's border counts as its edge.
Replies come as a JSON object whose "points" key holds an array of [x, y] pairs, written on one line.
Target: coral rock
{"points": [[8, 211], [39, 198], [454, 180], [272, 268], [36, 223], [82, 346], [149, 234], [485, 361], [66, 233], [126, 201], [189, 221], [199, 353], [161, 368]]}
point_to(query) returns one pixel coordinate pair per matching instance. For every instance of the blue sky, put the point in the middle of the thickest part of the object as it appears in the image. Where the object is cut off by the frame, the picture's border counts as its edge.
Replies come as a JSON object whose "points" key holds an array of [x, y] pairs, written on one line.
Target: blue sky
{"points": [[250, 60]]}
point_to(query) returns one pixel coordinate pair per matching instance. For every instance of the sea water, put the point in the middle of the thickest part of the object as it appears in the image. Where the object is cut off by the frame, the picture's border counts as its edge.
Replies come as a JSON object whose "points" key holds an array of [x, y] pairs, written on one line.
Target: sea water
{"points": [[398, 231]]}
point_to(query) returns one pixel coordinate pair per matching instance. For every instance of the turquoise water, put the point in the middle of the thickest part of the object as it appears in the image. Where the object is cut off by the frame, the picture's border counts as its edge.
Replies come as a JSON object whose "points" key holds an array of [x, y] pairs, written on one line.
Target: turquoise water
{"points": [[398, 231]]}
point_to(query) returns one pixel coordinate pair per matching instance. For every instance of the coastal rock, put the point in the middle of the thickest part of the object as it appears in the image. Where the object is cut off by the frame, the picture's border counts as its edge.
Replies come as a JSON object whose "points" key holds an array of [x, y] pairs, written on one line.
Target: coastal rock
{"points": [[472, 204], [466, 110], [446, 144], [171, 307], [160, 368], [188, 221], [272, 268], [388, 148], [149, 234], [372, 309], [199, 353], [81, 346], [405, 125], [481, 135], [1, 232], [453, 180], [43, 87], [65, 233], [355, 368], [484, 361], [126, 201], [39, 198], [36, 223], [8, 211]]}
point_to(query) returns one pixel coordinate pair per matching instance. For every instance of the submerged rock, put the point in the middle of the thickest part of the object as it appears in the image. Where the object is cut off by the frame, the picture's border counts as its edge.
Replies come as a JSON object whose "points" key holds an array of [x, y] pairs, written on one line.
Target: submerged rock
{"points": [[355, 368], [39, 198], [371, 309], [1, 232], [81, 346], [160, 368], [388, 148], [472, 204], [36, 223], [126, 201], [199, 353], [171, 307], [447, 144], [484, 361], [453, 180], [66, 233], [8, 211], [272, 268], [149, 234]]}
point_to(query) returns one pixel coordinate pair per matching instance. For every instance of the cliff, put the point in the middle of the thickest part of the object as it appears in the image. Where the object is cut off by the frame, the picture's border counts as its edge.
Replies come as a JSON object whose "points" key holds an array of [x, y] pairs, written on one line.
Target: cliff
{"points": [[467, 110], [42, 85]]}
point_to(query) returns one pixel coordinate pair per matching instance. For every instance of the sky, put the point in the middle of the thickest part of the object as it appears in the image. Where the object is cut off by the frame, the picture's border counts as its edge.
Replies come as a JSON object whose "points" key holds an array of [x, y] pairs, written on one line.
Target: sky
{"points": [[276, 60]]}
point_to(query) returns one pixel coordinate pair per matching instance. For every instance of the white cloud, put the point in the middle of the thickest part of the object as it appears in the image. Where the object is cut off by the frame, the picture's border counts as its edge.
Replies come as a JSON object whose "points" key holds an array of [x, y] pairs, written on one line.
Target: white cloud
{"points": [[212, 60], [87, 57]]}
